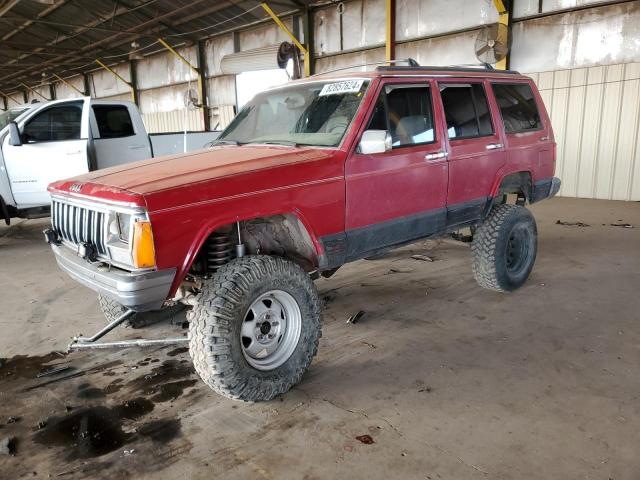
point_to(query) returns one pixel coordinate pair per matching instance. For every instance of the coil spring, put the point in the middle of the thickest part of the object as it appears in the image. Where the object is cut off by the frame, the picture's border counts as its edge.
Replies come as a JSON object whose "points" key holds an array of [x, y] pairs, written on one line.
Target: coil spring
{"points": [[219, 251]]}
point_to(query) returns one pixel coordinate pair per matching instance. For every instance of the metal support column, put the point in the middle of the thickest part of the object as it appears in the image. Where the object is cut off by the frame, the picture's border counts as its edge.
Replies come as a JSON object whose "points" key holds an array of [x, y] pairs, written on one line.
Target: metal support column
{"points": [[202, 71], [87, 85], [304, 49], [119, 77], [133, 74], [504, 17], [5, 103], [390, 42], [308, 30]]}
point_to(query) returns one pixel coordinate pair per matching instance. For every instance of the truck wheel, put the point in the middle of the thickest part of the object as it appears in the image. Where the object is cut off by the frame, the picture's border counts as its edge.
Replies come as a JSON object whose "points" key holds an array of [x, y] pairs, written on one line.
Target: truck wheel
{"points": [[255, 328], [112, 310], [504, 248]]}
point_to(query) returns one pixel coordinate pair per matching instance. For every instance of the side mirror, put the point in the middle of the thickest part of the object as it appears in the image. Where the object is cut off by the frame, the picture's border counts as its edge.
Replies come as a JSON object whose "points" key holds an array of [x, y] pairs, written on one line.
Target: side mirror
{"points": [[14, 135], [375, 141]]}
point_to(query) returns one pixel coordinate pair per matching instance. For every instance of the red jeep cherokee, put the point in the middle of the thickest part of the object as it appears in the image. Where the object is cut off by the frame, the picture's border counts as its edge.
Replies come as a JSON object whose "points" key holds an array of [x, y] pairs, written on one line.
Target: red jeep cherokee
{"points": [[309, 176]]}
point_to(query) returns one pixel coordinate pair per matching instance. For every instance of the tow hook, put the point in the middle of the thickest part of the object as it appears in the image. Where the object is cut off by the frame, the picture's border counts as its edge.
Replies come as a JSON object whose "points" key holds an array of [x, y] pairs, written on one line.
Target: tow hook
{"points": [[51, 237]]}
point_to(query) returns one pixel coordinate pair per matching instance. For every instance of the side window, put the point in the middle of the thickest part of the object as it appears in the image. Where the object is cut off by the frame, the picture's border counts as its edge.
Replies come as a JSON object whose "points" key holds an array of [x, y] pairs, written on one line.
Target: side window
{"points": [[113, 121], [404, 110], [410, 115], [54, 124], [466, 110], [517, 106]]}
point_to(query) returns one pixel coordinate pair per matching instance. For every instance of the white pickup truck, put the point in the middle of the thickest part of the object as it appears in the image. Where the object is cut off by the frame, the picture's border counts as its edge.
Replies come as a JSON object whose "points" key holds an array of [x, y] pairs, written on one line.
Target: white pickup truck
{"points": [[50, 141]]}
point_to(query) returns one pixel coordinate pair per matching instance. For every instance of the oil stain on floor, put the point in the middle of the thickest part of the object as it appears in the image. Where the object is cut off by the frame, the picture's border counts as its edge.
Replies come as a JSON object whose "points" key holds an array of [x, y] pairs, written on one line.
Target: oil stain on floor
{"points": [[95, 409]]}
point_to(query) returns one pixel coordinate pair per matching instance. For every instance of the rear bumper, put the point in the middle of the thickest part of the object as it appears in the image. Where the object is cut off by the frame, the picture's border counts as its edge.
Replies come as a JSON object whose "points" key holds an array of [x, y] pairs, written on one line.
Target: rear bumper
{"points": [[138, 291], [546, 188]]}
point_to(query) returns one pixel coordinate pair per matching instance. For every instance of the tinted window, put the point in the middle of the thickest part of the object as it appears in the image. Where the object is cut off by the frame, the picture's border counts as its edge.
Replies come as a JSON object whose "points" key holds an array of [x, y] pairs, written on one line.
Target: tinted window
{"points": [[518, 107], [379, 117], [466, 110], [405, 111], [113, 121], [54, 124]]}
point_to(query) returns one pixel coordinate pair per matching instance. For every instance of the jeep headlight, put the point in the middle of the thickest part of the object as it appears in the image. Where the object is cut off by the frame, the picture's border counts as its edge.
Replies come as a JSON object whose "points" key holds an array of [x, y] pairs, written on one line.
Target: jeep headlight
{"points": [[120, 227], [124, 226]]}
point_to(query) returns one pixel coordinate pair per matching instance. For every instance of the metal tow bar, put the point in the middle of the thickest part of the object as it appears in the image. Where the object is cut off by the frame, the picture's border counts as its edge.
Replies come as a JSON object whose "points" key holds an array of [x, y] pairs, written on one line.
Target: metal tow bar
{"points": [[86, 343]]}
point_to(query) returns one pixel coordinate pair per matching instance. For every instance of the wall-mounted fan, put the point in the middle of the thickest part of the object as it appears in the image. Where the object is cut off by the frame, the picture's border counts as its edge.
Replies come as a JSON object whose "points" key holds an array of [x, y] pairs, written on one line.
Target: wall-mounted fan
{"points": [[493, 43], [190, 99], [288, 51]]}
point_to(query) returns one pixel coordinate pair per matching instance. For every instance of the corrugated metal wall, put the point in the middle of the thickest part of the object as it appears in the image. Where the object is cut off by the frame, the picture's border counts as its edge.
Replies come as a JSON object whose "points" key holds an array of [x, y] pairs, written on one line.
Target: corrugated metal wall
{"points": [[595, 114]]}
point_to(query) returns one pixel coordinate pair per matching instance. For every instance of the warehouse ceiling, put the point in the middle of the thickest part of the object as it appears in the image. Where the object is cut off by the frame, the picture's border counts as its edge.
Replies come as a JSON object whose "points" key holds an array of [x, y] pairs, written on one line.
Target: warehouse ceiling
{"points": [[42, 38]]}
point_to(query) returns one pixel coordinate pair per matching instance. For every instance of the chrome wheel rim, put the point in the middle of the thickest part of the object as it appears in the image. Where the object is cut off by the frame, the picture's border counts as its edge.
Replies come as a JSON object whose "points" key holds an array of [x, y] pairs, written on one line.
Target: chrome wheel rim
{"points": [[271, 330]]}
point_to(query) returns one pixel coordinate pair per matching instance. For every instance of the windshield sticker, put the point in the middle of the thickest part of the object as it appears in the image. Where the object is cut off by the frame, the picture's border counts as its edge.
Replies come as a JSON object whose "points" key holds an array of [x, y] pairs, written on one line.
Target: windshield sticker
{"points": [[349, 86]]}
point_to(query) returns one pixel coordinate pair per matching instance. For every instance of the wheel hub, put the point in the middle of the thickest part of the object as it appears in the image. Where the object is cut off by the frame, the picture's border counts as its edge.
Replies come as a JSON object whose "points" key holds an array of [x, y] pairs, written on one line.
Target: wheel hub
{"points": [[271, 330]]}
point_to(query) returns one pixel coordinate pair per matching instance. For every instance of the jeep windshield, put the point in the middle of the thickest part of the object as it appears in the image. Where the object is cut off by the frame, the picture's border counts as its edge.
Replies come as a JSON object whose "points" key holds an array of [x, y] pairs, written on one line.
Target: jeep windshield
{"points": [[316, 114]]}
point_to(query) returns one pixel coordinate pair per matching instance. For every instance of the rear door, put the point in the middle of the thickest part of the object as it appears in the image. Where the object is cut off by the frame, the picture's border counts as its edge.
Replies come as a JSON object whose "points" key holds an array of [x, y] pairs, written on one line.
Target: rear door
{"points": [[54, 147], [476, 148], [118, 134], [399, 195]]}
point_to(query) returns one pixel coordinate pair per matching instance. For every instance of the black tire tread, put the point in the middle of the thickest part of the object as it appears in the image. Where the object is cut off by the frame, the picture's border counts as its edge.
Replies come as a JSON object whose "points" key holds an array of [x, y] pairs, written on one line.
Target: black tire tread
{"points": [[210, 333], [485, 243]]}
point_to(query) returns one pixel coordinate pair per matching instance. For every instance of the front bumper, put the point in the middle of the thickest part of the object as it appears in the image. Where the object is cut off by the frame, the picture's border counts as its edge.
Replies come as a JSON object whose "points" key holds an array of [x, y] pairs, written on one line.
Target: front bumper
{"points": [[141, 292]]}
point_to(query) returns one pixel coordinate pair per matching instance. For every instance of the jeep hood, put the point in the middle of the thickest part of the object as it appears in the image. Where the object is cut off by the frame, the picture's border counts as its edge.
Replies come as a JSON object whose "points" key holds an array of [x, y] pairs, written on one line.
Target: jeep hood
{"points": [[164, 173]]}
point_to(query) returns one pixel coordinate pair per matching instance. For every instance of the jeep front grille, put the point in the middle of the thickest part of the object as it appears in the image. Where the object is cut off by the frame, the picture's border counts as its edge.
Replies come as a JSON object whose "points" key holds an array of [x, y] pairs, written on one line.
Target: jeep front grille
{"points": [[75, 224]]}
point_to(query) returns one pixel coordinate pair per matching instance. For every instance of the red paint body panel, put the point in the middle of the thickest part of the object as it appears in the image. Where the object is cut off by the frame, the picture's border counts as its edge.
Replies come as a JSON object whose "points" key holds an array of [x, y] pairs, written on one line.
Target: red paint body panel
{"points": [[331, 190], [397, 183], [473, 168]]}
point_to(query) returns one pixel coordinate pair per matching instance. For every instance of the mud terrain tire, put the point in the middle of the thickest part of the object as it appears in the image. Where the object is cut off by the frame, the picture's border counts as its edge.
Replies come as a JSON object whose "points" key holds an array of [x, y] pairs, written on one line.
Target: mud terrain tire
{"points": [[504, 248], [232, 305]]}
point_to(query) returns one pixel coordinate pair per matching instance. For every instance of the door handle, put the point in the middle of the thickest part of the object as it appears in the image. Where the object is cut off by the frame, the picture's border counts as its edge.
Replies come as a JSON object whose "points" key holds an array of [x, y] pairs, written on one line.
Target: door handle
{"points": [[494, 146], [136, 147], [544, 139], [75, 153], [436, 156]]}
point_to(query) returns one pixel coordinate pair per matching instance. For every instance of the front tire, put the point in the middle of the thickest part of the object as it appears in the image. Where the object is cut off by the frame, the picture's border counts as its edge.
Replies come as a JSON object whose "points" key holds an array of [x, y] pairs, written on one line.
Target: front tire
{"points": [[255, 328], [504, 248]]}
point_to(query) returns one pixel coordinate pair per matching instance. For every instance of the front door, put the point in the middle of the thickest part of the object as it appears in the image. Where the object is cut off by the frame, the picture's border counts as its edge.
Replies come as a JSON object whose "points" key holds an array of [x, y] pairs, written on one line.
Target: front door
{"points": [[399, 195], [54, 147]]}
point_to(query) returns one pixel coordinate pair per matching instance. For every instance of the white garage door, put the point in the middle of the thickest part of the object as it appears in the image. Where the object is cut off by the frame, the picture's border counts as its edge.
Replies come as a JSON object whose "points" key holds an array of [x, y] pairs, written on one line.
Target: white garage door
{"points": [[595, 114]]}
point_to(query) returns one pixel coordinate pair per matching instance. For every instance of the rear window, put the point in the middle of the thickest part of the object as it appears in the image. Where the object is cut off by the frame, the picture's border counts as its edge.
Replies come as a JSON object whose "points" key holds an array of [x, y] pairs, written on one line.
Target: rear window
{"points": [[113, 121], [518, 107]]}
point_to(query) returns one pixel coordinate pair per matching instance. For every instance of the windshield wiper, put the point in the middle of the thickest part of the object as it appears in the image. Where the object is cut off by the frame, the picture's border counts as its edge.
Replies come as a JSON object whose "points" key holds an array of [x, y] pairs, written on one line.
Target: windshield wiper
{"points": [[224, 142], [287, 143]]}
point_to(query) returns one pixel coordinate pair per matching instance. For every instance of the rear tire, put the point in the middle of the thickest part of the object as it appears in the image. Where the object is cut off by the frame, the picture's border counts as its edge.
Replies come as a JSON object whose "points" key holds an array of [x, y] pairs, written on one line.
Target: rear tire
{"points": [[112, 310], [504, 248], [255, 328]]}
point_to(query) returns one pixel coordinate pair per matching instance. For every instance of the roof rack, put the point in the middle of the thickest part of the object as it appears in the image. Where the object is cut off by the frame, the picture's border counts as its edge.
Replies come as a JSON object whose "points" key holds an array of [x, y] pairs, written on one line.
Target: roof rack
{"points": [[449, 68], [411, 63]]}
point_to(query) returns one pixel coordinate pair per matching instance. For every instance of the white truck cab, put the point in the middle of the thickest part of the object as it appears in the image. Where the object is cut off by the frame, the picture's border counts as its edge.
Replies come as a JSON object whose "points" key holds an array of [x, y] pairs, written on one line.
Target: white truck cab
{"points": [[65, 138]]}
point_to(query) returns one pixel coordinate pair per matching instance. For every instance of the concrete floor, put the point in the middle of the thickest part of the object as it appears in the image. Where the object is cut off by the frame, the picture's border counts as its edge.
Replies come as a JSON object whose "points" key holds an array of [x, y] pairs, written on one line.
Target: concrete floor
{"points": [[450, 381]]}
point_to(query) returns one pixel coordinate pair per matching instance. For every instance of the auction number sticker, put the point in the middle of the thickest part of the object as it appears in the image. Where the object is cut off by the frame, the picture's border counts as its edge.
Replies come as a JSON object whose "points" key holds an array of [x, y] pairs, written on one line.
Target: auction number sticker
{"points": [[348, 86]]}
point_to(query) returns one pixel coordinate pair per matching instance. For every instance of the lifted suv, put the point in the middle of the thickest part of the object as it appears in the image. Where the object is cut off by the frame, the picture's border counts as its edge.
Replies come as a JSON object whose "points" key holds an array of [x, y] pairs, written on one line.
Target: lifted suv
{"points": [[308, 177]]}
